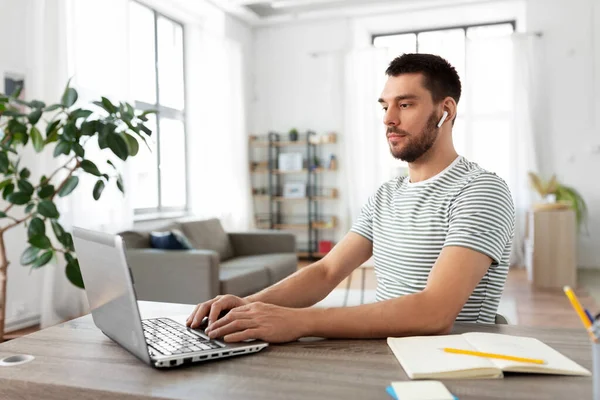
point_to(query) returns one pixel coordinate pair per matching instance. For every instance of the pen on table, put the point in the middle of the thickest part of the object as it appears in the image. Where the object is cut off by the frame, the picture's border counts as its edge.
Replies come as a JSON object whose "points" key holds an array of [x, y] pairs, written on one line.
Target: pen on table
{"points": [[580, 312], [493, 355]]}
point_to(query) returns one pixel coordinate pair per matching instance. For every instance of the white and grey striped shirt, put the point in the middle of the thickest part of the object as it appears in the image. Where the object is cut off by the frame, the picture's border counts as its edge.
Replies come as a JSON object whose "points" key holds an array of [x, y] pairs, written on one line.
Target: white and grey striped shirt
{"points": [[410, 223]]}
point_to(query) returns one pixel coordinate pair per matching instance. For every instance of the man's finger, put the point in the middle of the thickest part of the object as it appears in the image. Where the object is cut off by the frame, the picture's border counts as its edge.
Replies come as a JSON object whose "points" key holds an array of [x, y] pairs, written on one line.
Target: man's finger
{"points": [[224, 303], [201, 313], [233, 315], [189, 319], [242, 335], [233, 326]]}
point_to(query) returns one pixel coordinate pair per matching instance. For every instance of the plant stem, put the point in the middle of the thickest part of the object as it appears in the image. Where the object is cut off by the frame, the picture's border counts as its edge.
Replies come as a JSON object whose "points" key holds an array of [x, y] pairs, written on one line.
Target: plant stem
{"points": [[3, 270], [64, 182]]}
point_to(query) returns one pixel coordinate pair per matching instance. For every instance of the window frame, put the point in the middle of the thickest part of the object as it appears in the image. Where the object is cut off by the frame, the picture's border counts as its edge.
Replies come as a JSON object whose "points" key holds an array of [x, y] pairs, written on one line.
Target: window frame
{"points": [[169, 113]]}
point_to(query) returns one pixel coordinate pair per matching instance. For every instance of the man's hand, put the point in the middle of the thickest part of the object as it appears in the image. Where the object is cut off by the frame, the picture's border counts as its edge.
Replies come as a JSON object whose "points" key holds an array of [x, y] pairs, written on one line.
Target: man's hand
{"points": [[262, 321], [213, 308]]}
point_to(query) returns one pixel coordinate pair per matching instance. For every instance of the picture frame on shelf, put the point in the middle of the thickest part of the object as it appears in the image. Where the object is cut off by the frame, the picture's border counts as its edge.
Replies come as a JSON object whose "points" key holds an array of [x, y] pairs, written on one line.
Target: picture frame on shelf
{"points": [[294, 190], [290, 161]]}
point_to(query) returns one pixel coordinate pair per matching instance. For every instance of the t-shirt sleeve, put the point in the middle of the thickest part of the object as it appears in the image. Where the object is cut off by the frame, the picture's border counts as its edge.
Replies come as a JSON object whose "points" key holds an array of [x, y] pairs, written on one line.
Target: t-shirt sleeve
{"points": [[482, 217], [364, 224]]}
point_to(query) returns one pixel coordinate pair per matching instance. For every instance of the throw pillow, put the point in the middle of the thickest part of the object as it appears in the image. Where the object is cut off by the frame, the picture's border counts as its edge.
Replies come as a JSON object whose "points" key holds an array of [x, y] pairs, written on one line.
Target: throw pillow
{"points": [[171, 240]]}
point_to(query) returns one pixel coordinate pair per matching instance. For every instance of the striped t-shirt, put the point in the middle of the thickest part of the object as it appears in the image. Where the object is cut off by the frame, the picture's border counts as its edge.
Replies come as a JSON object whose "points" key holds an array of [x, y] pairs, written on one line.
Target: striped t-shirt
{"points": [[410, 223]]}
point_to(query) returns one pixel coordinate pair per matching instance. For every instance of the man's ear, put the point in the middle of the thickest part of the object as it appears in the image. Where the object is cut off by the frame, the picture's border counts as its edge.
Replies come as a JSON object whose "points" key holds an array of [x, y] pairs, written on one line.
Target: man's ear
{"points": [[449, 105]]}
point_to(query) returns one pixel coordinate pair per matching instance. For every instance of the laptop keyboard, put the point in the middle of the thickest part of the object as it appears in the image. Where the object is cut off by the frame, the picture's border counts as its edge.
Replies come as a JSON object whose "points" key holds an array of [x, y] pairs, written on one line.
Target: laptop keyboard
{"points": [[168, 337]]}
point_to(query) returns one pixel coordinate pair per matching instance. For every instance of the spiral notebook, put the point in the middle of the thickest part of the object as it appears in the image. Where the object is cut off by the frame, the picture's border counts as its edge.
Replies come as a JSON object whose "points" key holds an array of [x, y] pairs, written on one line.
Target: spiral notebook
{"points": [[423, 357]]}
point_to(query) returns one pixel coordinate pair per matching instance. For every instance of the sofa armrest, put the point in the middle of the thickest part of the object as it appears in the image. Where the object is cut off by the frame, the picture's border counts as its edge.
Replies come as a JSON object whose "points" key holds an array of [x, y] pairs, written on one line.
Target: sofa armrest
{"points": [[264, 242], [173, 276]]}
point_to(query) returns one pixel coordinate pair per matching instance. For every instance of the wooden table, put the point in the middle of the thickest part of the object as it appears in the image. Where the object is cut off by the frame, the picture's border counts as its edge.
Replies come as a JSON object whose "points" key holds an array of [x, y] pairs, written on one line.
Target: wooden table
{"points": [[76, 361]]}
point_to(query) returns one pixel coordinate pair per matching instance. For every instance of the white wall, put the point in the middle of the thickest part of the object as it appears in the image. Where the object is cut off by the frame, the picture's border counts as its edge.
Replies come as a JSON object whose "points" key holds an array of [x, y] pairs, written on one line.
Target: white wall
{"points": [[16, 56], [573, 107], [293, 89]]}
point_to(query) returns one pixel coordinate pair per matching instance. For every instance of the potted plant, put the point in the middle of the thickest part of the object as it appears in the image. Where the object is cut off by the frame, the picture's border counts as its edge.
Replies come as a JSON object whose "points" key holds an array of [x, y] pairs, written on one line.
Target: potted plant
{"points": [[558, 196], [293, 135], [31, 200]]}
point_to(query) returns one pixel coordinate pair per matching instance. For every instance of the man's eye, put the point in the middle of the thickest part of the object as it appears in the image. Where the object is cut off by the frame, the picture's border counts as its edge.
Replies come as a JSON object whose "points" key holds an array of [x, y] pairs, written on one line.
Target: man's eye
{"points": [[404, 105], [384, 108]]}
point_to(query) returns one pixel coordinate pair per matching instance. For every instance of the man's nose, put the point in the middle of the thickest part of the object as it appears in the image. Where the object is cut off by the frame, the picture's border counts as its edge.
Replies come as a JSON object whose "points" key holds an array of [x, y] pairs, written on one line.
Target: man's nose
{"points": [[391, 118]]}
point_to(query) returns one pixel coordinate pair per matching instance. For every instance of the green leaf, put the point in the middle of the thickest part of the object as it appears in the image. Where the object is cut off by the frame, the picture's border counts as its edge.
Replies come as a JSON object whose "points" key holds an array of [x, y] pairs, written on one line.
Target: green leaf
{"points": [[25, 186], [69, 186], [37, 104], [148, 112], [20, 138], [59, 231], [8, 190], [146, 130], [120, 184], [111, 164], [69, 97], [43, 259], [3, 214], [132, 144], [108, 106], [88, 128], [36, 228], [98, 188], [74, 274], [118, 146], [79, 150], [29, 255], [3, 162], [40, 241], [34, 116], [53, 107], [46, 191], [89, 167], [29, 208], [48, 209], [70, 131], [79, 113], [2, 107], [15, 126], [69, 257], [52, 137], [18, 198], [51, 127], [5, 183], [67, 241], [63, 147], [25, 173], [37, 139]]}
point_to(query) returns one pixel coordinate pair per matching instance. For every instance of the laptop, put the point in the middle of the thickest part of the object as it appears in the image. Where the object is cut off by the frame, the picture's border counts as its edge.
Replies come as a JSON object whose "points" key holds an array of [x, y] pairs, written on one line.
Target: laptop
{"points": [[161, 342]]}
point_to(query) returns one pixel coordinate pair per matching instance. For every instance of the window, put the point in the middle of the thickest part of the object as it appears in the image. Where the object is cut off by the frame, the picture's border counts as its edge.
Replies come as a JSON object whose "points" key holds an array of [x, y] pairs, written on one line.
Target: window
{"points": [[482, 56], [157, 82]]}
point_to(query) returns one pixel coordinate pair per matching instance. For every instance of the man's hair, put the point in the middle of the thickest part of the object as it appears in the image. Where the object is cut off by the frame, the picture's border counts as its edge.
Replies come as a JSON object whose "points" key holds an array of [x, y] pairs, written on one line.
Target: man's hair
{"points": [[439, 77]]}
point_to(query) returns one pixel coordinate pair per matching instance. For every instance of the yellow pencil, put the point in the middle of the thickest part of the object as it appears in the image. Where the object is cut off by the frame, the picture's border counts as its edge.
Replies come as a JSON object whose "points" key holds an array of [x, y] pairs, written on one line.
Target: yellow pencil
{"points": [[492, 355], [577, 306]]}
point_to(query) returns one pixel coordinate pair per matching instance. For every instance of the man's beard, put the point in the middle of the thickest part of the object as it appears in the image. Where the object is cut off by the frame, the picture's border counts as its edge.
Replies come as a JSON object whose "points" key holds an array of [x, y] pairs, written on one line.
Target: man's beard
{"points": [[416, 145]]}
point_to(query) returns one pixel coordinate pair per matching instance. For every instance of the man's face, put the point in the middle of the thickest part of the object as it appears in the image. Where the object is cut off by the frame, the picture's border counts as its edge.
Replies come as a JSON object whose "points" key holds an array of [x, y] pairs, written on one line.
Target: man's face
{"points": [[410, 116]]}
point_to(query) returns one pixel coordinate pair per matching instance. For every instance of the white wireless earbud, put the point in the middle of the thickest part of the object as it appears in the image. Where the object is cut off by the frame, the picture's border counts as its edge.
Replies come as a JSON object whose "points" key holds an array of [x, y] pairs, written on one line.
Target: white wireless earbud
{"points": [[444, 116]]}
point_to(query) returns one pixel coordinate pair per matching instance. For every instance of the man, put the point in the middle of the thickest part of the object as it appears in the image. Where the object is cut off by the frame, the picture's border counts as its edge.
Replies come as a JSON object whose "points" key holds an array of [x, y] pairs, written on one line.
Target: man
{"points": [[440, 237]]}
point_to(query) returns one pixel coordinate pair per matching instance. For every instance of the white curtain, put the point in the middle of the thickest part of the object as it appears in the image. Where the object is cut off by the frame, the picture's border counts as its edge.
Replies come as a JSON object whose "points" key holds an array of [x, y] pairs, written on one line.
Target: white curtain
{"points": [[219, 162], [79, 33], [502, 93], [364, 146]]}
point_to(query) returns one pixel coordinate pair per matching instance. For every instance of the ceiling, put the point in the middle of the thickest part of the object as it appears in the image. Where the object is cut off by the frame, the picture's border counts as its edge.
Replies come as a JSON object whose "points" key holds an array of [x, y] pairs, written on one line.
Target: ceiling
{"points": [[262, 12]]}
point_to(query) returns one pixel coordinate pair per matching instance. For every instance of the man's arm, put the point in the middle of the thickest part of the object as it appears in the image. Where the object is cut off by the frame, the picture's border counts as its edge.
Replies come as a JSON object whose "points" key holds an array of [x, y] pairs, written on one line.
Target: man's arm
{"points": [[311, 284], [453, 278]]}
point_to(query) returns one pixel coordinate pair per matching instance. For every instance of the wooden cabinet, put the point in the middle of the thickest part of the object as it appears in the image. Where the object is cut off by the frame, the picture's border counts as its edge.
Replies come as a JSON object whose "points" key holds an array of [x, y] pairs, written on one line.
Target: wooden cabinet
{"points": [[551, 248]]}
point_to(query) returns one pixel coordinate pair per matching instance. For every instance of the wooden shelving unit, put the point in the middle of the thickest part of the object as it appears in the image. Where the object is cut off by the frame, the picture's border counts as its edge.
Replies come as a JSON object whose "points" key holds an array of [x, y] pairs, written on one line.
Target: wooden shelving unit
{"points": [[313, 222]]}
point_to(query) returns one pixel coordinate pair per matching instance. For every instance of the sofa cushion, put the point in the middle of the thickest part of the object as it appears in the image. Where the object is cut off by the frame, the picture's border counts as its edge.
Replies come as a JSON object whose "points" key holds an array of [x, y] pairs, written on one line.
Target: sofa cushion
{"points": [[140, 239], [171, 240], [278, 265], [242, 281], [208, 235]]}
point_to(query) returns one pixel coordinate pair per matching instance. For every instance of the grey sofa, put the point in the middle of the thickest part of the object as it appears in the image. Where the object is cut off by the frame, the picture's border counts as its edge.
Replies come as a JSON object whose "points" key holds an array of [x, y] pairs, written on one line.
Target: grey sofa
{"points": [[221, 263]]}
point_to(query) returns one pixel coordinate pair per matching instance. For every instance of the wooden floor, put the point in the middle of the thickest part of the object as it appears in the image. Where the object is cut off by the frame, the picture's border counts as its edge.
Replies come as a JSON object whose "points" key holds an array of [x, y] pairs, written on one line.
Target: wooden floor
{"points": [[534, 307]]}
